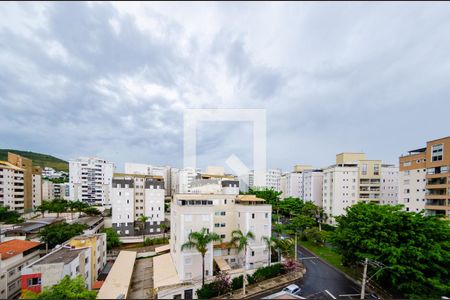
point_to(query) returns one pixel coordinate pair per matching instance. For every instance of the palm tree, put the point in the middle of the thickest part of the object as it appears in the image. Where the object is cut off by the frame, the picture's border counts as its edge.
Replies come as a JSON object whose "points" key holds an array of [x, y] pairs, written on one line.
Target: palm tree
{"points": [[72, 205], [43, 207], [241, 241], [200, 241], [163, 227], [285, 247], [80, 206], [270, 243], [143, 219]]}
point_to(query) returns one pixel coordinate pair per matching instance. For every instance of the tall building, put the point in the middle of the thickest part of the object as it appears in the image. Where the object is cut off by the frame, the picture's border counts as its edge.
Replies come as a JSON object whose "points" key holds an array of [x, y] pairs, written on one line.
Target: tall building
{"points": [[32, 180], [47, 190], [12, 186], [222, 213], [313, 186], [135, 195], [354, 179], [291, 184], [14, 256], [143, 169], [424, 181], [271, 179], [90, 180]]}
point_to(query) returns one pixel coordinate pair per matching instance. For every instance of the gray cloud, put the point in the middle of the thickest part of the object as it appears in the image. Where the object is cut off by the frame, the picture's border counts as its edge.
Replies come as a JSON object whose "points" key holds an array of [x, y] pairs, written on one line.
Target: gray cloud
{"points": [[113, 80]]}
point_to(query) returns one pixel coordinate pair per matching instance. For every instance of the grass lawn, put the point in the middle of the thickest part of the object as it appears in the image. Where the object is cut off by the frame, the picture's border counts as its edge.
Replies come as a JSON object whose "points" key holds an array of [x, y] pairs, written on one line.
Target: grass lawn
{"points": [[331, 257]]}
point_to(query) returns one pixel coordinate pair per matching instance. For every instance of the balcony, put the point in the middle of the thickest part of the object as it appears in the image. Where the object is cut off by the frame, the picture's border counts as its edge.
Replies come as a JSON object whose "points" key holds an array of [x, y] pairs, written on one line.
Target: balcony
{"points": [[436, 203]]}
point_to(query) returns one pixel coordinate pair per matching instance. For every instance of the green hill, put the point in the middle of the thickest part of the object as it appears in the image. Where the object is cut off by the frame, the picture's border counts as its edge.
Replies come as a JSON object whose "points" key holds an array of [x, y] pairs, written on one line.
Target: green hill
{"points": [[42, 160]]}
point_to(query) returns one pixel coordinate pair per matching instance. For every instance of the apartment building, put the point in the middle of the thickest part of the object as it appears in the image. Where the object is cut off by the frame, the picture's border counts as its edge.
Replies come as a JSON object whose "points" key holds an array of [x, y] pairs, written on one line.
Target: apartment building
{"points": [[182, 180], [424, 178], [271, 179], [12, 186], [52, 190], [389, 185], [313, 186], [61, 262], [144, 169], [51, 173], [97, 244], [291, 184], [134, 195], [14, 256], [221, 213], [90, 180], [353, 179]]}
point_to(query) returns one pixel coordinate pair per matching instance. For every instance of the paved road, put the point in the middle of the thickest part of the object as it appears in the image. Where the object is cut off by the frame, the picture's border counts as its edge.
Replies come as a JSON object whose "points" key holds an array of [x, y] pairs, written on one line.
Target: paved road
{"points": [[320, 277]]}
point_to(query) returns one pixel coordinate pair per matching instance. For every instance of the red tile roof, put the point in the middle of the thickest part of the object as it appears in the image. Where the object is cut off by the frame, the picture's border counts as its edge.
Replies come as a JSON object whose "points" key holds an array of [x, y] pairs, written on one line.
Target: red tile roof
{"points": [[13, 247]]}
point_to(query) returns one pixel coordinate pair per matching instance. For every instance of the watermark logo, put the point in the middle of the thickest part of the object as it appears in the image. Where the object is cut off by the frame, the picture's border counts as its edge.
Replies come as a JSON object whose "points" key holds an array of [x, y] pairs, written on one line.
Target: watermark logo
{"points": [[258, 119]]}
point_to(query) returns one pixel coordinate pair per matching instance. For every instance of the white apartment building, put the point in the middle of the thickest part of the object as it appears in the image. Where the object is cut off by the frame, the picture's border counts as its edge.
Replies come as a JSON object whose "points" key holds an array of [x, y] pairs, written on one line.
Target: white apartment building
{"points": [[36, 191], [144, 169], [183, 180], [313, 186], [389, 185], [134, 195], [11, 186], [14, 256], [50, 269], [291, 185], [51, 173], [270, 180], [221, 213], [47, 190], [90, 180], [353, 179], [52, 190]]}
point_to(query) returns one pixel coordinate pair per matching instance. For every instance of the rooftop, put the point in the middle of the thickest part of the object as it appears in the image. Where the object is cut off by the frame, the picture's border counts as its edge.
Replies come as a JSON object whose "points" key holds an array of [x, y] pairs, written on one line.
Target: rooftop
{"points": [[14, 247], [164, 271], [249, 198], [10, 166], [62, 254], [89, 221]]}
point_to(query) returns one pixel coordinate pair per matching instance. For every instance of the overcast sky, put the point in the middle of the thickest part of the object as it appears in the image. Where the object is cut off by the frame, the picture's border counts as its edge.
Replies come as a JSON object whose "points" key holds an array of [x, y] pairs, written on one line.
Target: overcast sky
{"points": [[113, 80]]}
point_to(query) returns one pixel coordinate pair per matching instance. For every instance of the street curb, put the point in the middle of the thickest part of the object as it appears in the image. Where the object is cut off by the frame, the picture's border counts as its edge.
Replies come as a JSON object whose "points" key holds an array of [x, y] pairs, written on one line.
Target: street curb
{"points": [[333, 267]]}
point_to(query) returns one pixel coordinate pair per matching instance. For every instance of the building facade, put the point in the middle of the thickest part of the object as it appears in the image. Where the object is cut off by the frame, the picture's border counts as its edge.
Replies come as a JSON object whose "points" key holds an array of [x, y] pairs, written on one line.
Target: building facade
{"points": [[424, 179], [313, 186], [14, 256], [12, 187], [355, 179], [135, 195], [144, 169], [270, 179], [90, 180]]}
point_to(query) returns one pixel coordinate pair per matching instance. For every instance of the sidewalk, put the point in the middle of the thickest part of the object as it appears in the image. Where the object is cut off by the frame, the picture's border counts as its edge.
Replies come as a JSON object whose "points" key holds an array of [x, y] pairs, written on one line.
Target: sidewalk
{"points": [[255, 289]]}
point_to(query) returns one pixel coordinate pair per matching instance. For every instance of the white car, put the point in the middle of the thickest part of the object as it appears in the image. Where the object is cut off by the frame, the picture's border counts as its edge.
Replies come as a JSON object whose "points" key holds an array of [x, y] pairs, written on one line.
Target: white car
{"points": [[293, 289]]}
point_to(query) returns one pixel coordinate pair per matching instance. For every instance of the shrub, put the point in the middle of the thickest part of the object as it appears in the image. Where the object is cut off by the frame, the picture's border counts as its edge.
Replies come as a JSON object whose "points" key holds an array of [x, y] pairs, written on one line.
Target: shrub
{"points": [[208, 291], [291, 265], [268, 272], [156, 241], [237, 283], [221, 285]]}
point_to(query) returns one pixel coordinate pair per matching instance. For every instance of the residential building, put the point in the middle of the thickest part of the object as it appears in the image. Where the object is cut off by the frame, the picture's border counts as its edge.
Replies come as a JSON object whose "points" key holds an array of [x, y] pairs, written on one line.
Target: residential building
{"points": [[93, 223], [291, 184], [12, 186], [389, 185], [143, 169], [271, 179], [90, 180], [183, 180], [14, 256], [30, 229], [47, 190], [313, 186], [51, 173], [424, 180], [135, 195], [32, 180], [97, 244], [177, 273], [354, 179], [61, 262]]}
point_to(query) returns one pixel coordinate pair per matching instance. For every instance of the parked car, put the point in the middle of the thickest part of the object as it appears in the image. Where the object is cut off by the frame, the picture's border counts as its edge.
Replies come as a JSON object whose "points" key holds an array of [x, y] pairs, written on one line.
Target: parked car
{"points": [[293, 289], [373, 296]]}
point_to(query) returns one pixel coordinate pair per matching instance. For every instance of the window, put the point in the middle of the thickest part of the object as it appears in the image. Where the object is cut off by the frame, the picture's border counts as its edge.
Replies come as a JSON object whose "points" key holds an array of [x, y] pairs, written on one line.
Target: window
{"points": [[406, 163], [364, 169], [222, 236], [253, 253], [437, 152], [253, 216], [188, 261], [34, 281], [188, 275], [376, 170], [267, 215], [217, 225]]}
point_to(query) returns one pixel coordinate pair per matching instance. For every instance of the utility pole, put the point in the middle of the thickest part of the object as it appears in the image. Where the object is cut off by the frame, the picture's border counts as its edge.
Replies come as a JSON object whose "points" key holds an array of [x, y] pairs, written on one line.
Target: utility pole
{"points": [[363, 286]]}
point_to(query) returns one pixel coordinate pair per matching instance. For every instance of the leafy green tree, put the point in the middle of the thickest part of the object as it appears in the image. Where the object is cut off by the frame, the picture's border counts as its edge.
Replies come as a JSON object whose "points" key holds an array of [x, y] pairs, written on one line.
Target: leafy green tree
{"points": [[112, 238], [300, 223], [270, 243], [9, 216], [242, 242], [163, 227], [200, 241], [92, 211], [315, 235], [271, 196], [58, 206], [56, 234], [45, 206], [67, 288], [415, 248], [80, 206], [279, 229], [142, 220]]}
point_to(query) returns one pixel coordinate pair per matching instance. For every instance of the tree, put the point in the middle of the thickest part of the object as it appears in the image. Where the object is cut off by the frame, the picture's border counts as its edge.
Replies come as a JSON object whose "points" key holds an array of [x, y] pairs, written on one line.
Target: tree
{"points": [[300, 222], [142, 220], [415, 248], [56, 234], [67, 288], [112, 238], [315, 235], [270, 243], [200, 241], [285, 247], [271, 196], [92, 211], [9, 216], [80, 206], [242, 241], [58, 206], [45, 206], [163, 227], [279, 229]]}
